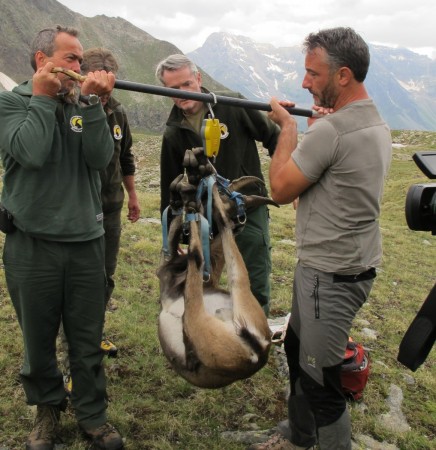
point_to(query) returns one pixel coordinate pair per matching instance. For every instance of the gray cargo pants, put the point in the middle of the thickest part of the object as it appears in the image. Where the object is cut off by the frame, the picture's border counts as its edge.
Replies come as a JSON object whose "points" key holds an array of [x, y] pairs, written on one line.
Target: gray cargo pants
{"points": [[323, 308]]}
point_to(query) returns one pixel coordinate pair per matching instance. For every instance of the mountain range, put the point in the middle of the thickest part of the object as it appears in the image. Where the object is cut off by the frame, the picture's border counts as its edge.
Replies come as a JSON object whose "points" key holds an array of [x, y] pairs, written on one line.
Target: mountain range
{"points": [[137, 52], [402, 83]]}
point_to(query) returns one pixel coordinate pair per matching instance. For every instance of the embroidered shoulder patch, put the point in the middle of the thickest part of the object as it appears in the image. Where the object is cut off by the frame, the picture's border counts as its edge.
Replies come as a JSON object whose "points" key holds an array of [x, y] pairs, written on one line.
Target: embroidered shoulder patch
{"points": [[118, 134]]}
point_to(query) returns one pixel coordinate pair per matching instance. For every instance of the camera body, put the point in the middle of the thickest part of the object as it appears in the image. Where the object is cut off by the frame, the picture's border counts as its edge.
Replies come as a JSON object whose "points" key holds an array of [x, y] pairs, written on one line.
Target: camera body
{"points": [[421, 198], [421, 216]]}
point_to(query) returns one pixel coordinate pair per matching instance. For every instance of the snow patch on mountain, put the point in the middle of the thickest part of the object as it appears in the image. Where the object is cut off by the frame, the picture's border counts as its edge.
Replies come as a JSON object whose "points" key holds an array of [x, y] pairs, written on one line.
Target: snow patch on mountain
{"points": [[274, 68], [412, 85]]}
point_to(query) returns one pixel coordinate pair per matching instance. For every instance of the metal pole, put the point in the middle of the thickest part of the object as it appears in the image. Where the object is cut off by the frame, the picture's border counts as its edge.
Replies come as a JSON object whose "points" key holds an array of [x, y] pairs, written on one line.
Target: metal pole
{"points": [[204, 97], [199, 96]]}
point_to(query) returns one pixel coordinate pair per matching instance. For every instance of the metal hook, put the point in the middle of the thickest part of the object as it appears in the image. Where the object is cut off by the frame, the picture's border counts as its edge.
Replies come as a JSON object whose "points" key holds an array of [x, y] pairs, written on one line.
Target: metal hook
{"points": [[212, 115], [215, 101]]}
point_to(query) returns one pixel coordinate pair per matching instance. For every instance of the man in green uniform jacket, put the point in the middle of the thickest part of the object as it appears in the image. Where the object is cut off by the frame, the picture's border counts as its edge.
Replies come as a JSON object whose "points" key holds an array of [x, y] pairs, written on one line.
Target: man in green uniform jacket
{"points": [[238, 156], [52, 149], [118, 177]]}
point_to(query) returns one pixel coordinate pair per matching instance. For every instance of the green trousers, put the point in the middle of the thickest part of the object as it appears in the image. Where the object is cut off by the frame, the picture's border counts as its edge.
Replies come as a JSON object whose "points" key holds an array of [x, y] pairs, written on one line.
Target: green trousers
{"points": [[112, 236], [49, 282], [254, 244]]}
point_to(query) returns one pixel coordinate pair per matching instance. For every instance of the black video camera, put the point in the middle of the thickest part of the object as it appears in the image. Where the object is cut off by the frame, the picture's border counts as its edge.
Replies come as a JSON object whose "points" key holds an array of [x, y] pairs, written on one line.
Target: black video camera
{"points": [[421, 198], [421, 216]]}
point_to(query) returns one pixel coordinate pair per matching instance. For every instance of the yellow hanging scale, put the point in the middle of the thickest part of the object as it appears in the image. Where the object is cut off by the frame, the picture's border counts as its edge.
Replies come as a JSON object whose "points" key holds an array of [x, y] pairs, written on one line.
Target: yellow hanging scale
{"points": [[211, 134]]}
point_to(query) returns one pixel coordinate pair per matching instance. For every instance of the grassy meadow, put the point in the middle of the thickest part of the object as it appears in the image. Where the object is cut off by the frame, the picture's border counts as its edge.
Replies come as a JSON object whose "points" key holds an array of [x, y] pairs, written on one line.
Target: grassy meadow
{"points": [[156, 409]]}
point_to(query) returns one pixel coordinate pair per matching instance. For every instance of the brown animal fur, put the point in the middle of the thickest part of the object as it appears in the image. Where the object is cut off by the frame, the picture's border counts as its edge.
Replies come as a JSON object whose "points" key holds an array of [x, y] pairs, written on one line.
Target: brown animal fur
{"points": [[211, 336]]}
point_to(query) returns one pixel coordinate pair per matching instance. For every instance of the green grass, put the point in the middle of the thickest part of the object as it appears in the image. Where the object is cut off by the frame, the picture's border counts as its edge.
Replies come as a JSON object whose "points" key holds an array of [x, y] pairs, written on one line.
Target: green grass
{"points": [[156, 409]]}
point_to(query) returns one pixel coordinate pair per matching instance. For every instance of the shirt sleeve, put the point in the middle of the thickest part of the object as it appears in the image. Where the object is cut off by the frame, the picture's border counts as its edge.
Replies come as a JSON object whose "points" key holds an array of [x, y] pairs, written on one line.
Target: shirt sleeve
{"points": [[317, 150], [24, 124], [127, 159]]}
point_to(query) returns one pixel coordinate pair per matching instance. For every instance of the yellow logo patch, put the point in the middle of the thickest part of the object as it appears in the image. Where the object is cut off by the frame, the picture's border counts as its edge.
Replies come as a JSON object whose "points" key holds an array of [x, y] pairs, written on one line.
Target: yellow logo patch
{"points": [[224, 130], [118, 134], [76, 124]]}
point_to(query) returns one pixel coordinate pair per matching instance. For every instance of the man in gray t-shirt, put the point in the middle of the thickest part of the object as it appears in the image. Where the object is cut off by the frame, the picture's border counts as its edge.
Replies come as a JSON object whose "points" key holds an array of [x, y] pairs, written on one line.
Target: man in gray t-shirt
{"points": [[345, 156], [337, 172]]}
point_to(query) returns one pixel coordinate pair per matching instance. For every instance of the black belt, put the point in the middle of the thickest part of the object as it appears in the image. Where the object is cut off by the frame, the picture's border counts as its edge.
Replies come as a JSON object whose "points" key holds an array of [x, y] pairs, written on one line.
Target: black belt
{"points": [[368, 275]]}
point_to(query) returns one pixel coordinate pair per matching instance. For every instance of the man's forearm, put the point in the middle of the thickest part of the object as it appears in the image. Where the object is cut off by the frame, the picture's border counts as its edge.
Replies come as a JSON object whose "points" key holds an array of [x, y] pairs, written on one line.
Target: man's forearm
{"points": [[286, 144]]}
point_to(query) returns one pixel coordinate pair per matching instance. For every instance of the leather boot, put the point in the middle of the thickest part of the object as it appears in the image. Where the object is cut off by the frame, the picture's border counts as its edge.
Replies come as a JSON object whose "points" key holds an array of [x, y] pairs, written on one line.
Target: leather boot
{"points": [[44, 433]]}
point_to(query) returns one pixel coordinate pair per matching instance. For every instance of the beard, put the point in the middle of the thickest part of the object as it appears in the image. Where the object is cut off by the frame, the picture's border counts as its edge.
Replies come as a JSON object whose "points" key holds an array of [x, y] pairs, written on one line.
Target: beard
{"points": [[69, 95], [328, 96]]}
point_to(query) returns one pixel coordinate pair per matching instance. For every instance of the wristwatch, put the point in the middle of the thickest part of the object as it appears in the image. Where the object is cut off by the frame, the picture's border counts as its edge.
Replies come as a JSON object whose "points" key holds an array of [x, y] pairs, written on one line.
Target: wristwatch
{"points": [[93, 99]]}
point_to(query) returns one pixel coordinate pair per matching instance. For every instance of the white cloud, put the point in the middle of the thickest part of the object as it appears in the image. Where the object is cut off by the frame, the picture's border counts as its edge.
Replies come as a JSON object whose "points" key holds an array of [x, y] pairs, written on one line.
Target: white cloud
{"points": [[187, 23]]}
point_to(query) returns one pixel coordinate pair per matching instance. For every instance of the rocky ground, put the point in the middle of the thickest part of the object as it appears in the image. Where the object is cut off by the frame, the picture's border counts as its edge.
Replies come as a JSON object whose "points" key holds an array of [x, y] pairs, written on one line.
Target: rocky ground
{"points": [[392, 420], [147, 156]]}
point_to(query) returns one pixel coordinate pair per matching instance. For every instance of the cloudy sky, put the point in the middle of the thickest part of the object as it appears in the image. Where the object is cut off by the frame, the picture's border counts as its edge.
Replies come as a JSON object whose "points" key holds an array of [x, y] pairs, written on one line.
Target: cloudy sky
{"points": [[187, 23]]}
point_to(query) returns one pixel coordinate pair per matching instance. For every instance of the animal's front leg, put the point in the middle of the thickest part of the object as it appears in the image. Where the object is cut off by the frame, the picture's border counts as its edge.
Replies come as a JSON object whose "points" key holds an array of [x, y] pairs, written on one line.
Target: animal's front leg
{"points": [[175, 198], [193, 295]]}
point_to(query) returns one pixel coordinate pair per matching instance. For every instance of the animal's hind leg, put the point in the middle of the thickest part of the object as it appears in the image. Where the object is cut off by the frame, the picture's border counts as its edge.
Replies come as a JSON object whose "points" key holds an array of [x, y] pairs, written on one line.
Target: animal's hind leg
{"points": [[236, 271], [245, 306], [237, 274], [208, 340]]}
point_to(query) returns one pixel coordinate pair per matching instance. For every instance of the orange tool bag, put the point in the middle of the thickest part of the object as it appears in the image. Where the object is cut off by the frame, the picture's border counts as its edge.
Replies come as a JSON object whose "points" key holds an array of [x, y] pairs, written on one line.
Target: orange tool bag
{"points": [[354, 371]]}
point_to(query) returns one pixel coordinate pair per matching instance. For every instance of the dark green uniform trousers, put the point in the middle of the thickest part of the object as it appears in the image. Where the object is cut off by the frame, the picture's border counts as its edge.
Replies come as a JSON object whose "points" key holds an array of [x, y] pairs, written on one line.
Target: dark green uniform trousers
{"points": [[254, 244], [49, 282], [112, 237]]}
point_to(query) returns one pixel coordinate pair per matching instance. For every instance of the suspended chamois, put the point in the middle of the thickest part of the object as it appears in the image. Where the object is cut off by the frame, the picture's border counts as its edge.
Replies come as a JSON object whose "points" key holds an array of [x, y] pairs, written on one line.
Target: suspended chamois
{"points": [[211, 336]]}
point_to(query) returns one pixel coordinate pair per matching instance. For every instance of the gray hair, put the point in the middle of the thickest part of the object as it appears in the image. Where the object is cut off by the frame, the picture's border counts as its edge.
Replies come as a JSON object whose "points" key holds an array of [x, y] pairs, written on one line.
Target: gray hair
{"points": [[45, 41], [344, 47], [174, 62]]}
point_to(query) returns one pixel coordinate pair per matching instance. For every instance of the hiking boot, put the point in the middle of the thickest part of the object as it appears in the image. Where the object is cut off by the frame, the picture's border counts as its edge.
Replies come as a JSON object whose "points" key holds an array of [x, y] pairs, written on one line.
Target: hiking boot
{"points": [[44, 433], [277, 442], [105, 437], [109, 348]]}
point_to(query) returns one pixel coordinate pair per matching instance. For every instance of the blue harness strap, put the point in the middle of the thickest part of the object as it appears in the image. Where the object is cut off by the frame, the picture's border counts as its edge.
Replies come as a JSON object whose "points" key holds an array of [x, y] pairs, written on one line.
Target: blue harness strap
{"points": [[240, 206], [205, 186], [165, 248], [223, 186]]}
